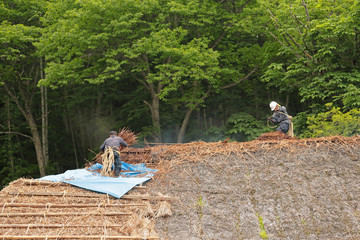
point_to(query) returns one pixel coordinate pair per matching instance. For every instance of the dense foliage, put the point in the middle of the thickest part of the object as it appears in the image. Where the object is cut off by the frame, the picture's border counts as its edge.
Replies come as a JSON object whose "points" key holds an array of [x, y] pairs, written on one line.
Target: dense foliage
{"points": [[334, 122], [173, 71]]}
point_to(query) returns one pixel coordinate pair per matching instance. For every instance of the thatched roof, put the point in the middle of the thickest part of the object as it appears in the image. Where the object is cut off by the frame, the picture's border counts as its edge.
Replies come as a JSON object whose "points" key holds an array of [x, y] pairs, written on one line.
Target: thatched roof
{"points": [[46, 210], [282, 188]]}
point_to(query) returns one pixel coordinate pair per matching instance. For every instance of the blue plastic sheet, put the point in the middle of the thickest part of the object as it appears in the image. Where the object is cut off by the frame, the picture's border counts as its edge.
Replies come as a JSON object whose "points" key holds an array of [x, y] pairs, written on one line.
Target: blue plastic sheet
{"points": [[129, 170], [138, 169], [94, 181]]}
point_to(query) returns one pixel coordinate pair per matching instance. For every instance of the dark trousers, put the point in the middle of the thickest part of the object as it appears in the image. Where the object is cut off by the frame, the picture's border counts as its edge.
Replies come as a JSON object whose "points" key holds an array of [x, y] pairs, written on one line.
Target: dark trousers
{"points": [[283, 127], [117, 162]]}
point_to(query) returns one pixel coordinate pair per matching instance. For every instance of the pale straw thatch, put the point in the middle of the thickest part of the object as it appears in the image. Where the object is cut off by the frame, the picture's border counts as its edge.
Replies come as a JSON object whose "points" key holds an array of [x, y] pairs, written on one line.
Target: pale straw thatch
{"points": [[128, 136], [163, 209], [302, 188], [147, 211], [107, 162], [31, 208]]}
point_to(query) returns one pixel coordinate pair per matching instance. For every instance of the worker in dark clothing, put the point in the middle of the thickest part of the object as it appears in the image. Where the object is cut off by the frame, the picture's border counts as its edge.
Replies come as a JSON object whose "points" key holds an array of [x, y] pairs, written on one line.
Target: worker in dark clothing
{"points": [[114, 142], [280, 117]]}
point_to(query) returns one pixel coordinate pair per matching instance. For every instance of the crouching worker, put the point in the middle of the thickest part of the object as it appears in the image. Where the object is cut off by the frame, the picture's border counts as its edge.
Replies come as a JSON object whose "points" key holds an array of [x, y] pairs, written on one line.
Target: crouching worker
{"points": [[280, 117], [114, 142]]}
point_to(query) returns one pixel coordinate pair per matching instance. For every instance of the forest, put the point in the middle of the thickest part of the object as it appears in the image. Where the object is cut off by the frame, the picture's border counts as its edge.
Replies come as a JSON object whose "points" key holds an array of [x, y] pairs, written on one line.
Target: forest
{"points": [[171, 71]]}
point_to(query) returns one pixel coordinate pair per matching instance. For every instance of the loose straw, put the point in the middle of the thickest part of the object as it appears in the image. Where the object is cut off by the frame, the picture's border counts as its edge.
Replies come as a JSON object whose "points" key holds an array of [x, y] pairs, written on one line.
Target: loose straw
{"points": [[107, 162]]}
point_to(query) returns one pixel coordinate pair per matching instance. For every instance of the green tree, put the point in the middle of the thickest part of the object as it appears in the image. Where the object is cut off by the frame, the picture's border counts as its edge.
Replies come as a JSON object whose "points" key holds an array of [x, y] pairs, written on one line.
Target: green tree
{"points": [[333, 122], [20, 67], [315, 50], [166, 47], [94, 50], [245, 126], [175, 67]]}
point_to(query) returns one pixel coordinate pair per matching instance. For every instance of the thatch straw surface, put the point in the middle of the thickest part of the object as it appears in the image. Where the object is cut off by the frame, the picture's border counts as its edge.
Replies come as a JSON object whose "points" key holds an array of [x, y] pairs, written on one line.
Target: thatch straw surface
{"points": [[301, 189], [26, 215], [274, 136]]}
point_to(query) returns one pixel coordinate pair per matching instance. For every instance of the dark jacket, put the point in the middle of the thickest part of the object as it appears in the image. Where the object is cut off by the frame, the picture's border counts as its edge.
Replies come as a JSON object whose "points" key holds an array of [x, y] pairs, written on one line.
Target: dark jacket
{"points": [[280, 116], [114, 142]]}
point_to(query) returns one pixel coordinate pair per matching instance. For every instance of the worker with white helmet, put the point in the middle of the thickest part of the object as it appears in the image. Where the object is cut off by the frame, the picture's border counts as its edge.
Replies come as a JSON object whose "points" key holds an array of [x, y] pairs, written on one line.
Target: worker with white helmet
{"points": [[280, 117]]}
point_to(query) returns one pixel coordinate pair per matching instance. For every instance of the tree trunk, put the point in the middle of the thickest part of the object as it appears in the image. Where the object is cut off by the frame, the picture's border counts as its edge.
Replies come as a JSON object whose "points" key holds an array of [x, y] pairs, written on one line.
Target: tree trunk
{"points": [[155, 103], [198, 115], [256, 99], [44, 124], [184, 125], [177, 125], [205, 119], [187, 117], [25, 90], [82, 130], [73, 142], [44, 117], [287, 101], [12, 165], [211, 122], [155, 113], [36, 140]]}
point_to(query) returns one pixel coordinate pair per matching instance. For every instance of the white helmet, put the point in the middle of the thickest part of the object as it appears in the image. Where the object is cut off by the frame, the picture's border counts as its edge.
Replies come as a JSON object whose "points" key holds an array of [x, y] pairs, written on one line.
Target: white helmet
{"points": [[273, 105]]}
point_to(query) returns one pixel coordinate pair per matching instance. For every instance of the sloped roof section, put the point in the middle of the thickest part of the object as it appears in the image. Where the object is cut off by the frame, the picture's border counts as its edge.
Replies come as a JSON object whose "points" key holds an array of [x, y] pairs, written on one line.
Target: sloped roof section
{"points": [[276, 188], [34, 209]]}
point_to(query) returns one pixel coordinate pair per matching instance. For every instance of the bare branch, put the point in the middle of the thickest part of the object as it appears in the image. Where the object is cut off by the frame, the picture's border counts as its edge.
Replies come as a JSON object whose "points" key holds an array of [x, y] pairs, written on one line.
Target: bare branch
{"points": [[272, 16], [149, 105], [143, 82], [241, 79], [296, 19], [306, 10], [217, 41], [287, 41], [147, 62], [277, 39], [293, 40], [287, 34], [24, 135], [34, 87], [14, 98], [277, 24]]}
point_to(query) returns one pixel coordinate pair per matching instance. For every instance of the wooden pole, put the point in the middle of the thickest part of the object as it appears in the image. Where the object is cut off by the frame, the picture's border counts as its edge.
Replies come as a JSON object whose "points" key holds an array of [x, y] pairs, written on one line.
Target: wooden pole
{"points": [[60, 194], [47, 183], [50, 205], [56, 194], [77, 237], [63, 214], [151, 198], [56, 226]]}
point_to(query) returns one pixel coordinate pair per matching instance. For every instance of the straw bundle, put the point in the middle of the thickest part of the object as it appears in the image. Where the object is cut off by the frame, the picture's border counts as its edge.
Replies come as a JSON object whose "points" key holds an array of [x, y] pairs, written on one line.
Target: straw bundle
{"points": [[107, 162], [128, 136], [140, 226], [277, 135], [163, 209], [291, 130], [146, 211]]}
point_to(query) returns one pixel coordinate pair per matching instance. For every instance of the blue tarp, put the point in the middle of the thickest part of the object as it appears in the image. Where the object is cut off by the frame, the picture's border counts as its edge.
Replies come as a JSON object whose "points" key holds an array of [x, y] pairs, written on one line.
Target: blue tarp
{"points": [[94, 181]]}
